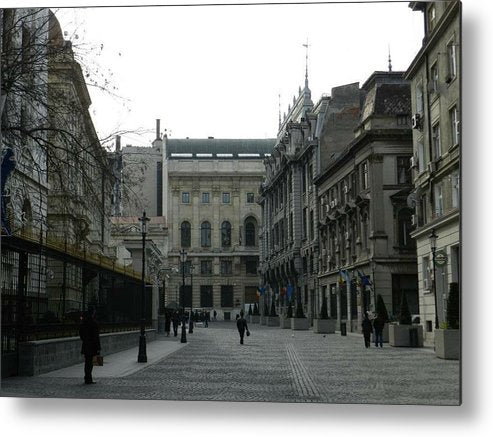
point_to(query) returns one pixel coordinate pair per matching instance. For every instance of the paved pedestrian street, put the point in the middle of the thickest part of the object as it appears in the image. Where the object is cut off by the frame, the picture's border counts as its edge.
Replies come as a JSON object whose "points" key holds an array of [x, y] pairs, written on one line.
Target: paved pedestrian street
{"points": [[274, 365]]}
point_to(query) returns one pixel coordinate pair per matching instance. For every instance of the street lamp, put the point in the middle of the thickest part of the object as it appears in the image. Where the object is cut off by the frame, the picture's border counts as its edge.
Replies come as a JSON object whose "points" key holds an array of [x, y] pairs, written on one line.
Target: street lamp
{"points": [[190, 325], [182, 295], [142, 357], [433, 245]]}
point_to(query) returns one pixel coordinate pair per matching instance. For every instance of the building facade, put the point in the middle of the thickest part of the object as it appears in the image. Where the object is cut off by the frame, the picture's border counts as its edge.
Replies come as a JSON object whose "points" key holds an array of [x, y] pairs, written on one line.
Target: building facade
{"points": [[435, 88], [365, 220], [211, 192]]}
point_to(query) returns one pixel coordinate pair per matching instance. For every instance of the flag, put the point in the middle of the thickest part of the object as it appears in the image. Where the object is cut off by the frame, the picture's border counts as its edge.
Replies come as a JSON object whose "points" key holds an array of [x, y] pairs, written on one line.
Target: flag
{"points": [[363, 279], [343, 277], [290, 291]]}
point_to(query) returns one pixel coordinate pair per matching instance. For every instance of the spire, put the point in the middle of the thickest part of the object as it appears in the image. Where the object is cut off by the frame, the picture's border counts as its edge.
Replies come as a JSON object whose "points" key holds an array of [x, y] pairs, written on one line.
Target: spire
{"points": [[279, 110], [306, 63], [390, 61]]}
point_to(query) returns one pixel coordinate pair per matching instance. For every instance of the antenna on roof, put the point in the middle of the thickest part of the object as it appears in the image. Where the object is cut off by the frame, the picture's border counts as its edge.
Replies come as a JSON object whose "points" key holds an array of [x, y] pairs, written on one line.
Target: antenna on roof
{"points": [[390, 61], [306, 62], [279, 110]]}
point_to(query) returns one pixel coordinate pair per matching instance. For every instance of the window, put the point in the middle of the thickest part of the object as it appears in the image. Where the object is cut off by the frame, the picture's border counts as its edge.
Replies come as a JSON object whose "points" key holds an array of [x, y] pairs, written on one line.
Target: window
{"points": [[454, 125], [250, 198], [226, 267], [438, 200], [250, 232], [437, 144], [455, 189], [403, 170], [185, 197], [402, 120], [365, 176], [452, 60], [226, 234], [206, 296], [185, 234], [354, 187], [312, 226], [305, 215], [425, 265], [434, 78], [226, 296], [421, 157], [205, 197], [419, 98], [303, 179], [404, 228], [423, 205], [226, 198], [251, 267], [205, 234], [206, 267], [431, 18]]}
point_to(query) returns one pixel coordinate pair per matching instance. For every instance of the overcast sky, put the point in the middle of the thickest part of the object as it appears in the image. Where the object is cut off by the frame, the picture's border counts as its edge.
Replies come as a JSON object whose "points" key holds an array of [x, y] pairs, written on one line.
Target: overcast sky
{"points": [[218, 71]]}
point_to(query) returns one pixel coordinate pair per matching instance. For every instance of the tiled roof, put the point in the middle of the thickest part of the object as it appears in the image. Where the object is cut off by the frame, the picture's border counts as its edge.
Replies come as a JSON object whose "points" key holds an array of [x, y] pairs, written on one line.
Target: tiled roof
{"points": [[219, 148]]}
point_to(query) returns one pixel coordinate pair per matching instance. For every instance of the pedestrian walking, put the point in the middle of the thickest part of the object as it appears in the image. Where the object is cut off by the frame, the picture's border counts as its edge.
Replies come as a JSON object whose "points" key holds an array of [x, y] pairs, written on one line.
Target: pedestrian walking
{"points": [[367, 330], [206, 318], [378, 324], [167, 323], [242, 326], [215, 315], [91, 346], [176, 322]]}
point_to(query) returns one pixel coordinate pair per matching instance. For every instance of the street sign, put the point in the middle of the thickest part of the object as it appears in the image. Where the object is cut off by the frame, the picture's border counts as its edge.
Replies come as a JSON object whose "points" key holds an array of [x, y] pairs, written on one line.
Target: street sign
{"points": [[441, 258]]}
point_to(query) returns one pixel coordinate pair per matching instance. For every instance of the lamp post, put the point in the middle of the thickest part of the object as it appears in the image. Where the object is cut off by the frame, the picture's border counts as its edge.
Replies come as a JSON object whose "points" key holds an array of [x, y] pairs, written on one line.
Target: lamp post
{"points": [[190, 324], [142, 357], [183, 255], [433, 245]]}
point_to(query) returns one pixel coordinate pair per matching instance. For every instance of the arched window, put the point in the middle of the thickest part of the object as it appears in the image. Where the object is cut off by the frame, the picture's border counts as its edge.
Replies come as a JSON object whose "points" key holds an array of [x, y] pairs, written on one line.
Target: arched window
{"points": [[250, 231], [226, 234], [404, 228], [185, 234], [205, 234]]}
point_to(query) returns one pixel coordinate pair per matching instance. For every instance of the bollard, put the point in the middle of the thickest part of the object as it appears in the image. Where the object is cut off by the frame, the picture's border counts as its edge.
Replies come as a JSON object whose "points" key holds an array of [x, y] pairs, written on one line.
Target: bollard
{"points": [[343, 328]]}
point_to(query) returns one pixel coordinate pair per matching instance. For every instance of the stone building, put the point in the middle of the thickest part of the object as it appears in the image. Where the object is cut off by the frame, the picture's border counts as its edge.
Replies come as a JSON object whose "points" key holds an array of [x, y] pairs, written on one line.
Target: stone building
{"points": [[364, 218], [210, 191], [435, 88]]}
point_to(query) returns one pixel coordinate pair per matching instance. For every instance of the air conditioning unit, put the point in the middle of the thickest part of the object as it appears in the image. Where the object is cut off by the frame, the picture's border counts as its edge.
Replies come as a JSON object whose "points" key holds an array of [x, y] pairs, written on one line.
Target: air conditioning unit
{"points": [[432, 166], [416, 121]]}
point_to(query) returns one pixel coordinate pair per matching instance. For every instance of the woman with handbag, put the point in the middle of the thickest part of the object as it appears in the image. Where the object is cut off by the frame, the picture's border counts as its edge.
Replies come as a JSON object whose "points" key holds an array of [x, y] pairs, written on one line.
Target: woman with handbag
{"points": [[241, 324]]}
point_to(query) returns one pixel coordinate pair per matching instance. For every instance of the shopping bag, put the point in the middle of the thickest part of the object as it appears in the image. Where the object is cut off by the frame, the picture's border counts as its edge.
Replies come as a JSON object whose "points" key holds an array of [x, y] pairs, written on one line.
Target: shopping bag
{"points": [[97, 360]]}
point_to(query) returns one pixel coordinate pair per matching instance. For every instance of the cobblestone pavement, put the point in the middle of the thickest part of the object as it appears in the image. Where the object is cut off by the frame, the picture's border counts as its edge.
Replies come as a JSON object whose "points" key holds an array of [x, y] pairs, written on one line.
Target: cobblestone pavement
{"points": [[273, 365]]}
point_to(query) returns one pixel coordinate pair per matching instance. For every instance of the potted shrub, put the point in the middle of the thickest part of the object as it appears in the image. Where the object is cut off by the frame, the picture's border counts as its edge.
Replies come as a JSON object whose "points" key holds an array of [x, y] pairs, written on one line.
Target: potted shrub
{"points": [[285, 322], [273, 318], [255, 316], [381, 310], [324, 324], [403, 334], [299, 322], [447, 338]]}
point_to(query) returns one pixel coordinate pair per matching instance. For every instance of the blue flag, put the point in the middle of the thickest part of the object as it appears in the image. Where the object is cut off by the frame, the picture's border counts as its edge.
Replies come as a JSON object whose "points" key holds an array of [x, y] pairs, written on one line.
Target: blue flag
{"points": [[290, 291]]}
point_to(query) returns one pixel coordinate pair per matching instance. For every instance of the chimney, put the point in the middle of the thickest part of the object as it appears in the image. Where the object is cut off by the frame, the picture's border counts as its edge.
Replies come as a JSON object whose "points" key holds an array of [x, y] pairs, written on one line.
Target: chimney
{"points": [[158, 129], [118, 145]]}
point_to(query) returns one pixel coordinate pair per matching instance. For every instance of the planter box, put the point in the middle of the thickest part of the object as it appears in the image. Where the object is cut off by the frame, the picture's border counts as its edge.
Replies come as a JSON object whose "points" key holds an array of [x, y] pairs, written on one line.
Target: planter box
{"points": [[285, 323], [300, 324], [255, 319], [399, 335], [273, 321], [385, 334], [324, 326], [447, 344]]}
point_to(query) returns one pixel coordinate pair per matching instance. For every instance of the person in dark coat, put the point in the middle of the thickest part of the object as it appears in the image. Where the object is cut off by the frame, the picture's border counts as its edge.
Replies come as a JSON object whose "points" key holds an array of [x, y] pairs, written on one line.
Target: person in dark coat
{"points": [[176, 322], [91, 346], [378, 324], [367, 330], [241, 324], [207, 318], [167, 323]]}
